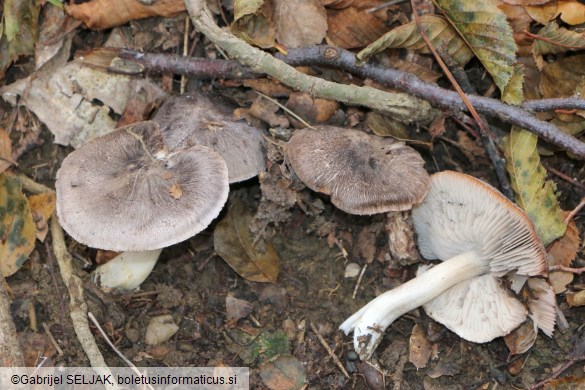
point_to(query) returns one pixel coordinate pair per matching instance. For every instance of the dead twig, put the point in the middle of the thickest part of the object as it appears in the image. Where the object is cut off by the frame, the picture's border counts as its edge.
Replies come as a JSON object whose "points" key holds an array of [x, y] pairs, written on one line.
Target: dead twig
{"points": [[436, 96], [77, 305], [329, 350]]}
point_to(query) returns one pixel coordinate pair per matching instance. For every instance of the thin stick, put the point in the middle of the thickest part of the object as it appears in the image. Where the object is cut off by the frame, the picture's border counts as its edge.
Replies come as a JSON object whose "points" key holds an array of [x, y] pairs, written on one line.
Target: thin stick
{"points": [[185, 52], [577, 271], [53, 341], [359, 281], [329, 350], [10, 351], [77, 305], [575, 211], [120, 354]]}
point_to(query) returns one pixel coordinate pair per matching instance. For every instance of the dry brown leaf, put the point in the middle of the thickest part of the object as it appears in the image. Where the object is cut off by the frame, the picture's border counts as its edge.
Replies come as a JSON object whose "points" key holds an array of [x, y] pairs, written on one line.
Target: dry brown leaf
{"points": [[351, 28], [102, 14], [283, 373], [236, 309], [252, 22], [420, 347], [5, 151], [266, 110], [543, 13], [233, 241], [576, 299], [560, 78], [42, 207], [385, 125], [562, 252], [300, 23], [521, 339], [572, 12], [313, 110]]}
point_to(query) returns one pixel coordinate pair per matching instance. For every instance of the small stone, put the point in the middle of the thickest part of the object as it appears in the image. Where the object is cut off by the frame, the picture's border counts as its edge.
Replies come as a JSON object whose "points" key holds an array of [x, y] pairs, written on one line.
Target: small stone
{"points": [[160, 329], [352, 270], [133, 335]]}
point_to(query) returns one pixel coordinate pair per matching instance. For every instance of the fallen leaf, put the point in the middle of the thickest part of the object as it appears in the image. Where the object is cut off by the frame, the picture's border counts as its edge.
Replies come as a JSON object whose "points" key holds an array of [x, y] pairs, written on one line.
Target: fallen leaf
{"points": [[485, 28], [18, 30], [284, 373], [562, 252], [266, 110], [576, 299], [420, 347], [5, 151], [252, 22], [236, 309], [300, 23], [521, 339], [17, 228], [42, 207], [385, 126], [552, 39], [233, 241], [351, 28], [265, 346], [442, 368], [568, 383], [103, 14], [560, 78], [441, 34], [313, 110], [572, 12], [543, 13]]}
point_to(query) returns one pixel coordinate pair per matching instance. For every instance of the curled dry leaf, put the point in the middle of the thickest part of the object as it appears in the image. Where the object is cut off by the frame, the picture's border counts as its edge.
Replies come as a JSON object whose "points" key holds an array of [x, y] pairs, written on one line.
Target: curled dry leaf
{"points": [[233, 241], [102, 14], [313, 110], [252, 22], [5, 151], [236, 309], [521, 339]]}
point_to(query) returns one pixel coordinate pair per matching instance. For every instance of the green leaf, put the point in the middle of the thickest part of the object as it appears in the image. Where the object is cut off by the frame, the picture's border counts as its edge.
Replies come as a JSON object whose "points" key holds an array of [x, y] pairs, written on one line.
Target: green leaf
{"points": [[487, 32], [255, 261], [533, 193], [441, 34], [17, 228]]}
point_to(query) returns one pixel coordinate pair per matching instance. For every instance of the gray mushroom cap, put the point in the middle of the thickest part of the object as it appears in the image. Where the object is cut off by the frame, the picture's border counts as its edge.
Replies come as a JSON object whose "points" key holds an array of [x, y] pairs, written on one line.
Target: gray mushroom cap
{"points": [[125, 192], [364, 174], [189, 120]]}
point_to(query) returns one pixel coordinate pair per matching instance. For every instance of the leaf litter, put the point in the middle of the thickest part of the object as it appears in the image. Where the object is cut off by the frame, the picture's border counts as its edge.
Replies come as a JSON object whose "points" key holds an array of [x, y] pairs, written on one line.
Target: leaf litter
{"points": [[221, 310]]}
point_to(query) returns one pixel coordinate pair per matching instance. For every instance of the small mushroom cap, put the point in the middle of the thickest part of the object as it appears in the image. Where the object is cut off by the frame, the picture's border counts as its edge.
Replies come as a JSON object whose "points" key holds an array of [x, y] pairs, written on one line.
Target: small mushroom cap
{"points": [[197, 120], [364, 174], [123, 192], [478, 309], [461, 213]]}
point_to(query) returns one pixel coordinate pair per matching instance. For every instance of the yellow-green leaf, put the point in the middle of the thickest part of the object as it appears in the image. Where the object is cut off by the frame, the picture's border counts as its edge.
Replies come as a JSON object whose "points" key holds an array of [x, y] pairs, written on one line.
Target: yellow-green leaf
{"points": [[252, 24], [485, 28], [552, 39], [233, 241], [533, 193], [17, 229], [442, 35]]}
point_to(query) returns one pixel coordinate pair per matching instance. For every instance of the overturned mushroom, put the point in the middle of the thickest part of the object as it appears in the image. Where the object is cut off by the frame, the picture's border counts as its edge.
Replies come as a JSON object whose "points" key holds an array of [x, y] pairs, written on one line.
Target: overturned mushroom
{"points": [[125, 192], [480, 235], [364, 174], [189, 120]]}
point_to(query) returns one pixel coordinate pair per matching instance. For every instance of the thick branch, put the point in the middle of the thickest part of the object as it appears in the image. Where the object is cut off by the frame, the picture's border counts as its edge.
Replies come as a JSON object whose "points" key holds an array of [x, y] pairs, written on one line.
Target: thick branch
{"points": [[403, 107], [439, 97]]}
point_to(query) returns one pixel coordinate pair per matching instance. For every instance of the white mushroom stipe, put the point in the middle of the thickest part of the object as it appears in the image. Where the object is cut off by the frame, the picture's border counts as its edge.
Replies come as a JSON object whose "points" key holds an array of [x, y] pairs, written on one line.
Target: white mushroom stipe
{"points": [[370, 322], [126, 271], [477, 231]]}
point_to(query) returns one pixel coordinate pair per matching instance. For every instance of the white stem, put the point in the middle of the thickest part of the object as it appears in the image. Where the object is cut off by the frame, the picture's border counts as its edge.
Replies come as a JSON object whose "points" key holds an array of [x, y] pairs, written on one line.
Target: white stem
{"points": [[370, 322], [127, 270]]}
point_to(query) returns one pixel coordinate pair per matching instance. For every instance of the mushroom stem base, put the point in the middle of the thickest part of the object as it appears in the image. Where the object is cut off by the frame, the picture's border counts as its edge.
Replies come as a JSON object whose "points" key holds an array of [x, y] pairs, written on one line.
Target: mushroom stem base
{"points": [[369, 323]]}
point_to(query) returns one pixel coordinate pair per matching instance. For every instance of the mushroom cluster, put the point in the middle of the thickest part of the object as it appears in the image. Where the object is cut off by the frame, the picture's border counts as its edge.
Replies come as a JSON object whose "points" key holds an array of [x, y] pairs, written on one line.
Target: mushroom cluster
{"points": [[152, 184], [480, 236]]}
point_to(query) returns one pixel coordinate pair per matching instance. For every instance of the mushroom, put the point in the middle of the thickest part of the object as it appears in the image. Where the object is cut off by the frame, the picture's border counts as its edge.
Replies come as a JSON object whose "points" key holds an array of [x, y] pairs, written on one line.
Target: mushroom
{"points": [[126, 192], [480, 236], [188, 120], [364, 174]]}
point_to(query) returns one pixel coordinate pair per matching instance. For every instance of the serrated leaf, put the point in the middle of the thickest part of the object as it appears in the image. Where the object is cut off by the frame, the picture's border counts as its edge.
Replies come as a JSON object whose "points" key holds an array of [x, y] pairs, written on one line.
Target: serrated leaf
{"points": [[441, 34], [252, 24], [533, 193], [552, 39], [17, 229], [487, 32], [255, 261]]}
